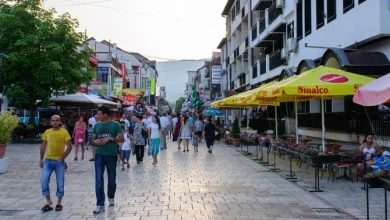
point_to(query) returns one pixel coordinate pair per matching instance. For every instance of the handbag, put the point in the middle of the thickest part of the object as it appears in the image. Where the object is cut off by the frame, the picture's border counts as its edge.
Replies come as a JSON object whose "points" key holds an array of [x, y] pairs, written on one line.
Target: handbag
{"points": [[81, 140]]}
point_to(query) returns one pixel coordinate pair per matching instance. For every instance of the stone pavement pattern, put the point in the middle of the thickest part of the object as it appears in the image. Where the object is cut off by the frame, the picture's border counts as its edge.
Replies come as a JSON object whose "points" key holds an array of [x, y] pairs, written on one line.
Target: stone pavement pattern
{"points": [[221, 185]]}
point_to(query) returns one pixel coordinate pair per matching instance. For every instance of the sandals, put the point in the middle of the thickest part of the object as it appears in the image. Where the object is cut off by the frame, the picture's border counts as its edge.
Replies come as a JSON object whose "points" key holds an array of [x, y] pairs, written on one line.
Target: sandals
{"points": [[46, 208], [58, 208]]}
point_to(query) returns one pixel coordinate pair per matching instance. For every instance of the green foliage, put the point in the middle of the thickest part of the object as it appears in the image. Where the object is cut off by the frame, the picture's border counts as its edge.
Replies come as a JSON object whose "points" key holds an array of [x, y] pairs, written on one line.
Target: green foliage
{"points": [[196, 101], [179, 104], [8, 123], [235, 131], [44, 53]]}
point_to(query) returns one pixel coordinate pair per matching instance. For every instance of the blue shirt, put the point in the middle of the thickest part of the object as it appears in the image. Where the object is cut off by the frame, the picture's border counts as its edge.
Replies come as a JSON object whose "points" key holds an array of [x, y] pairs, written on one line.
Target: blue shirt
{"points": [[191, 121]]}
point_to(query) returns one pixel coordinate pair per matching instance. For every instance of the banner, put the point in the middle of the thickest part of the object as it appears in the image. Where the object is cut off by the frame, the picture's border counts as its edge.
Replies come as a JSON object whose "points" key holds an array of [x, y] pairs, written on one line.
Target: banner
{"points": [[118, 86], [216, 74], [131, 95], [152, 86]]}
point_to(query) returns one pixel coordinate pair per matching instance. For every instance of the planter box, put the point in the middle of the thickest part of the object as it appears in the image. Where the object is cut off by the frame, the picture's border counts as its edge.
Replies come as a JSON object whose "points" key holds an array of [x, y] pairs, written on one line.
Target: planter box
{"points": [[374, 183], [385, 184]]}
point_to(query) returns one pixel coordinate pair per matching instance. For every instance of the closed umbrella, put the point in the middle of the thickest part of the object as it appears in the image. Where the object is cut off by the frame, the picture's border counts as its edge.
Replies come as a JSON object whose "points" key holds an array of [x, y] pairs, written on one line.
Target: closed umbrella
{"points": [[374, 93]]}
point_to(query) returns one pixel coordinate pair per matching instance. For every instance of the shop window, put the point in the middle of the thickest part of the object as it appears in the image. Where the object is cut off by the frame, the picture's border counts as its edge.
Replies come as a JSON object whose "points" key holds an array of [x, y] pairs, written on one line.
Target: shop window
{"points": [[320, 13], [348, 5], [331, 10], [299, 20]]}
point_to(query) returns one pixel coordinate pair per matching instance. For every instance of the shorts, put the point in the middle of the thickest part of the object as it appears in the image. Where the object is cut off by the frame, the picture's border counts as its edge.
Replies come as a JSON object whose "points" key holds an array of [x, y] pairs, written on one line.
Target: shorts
{"points": [[118, 150], [125, 154], [89, 139]]}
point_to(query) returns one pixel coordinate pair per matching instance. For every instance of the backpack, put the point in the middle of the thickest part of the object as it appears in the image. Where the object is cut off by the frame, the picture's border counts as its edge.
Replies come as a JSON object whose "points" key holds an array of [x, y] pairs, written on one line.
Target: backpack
{"points": [[144, 133]]}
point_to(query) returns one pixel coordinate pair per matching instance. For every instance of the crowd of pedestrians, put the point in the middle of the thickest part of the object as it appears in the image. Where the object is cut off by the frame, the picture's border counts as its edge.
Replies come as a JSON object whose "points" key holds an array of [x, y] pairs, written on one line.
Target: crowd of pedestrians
{"points": [[113, 143]]}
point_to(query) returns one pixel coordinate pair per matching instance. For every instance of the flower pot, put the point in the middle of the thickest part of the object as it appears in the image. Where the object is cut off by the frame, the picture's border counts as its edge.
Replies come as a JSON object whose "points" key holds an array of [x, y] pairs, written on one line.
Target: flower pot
{"points": [[236, 142], [2, 150]]}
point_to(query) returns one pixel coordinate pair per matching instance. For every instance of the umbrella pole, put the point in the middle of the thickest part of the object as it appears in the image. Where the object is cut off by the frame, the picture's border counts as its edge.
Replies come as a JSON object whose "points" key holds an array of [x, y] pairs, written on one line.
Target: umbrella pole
{"points": [[247, 119], [276, 122], [296, 120], [323, 123]]}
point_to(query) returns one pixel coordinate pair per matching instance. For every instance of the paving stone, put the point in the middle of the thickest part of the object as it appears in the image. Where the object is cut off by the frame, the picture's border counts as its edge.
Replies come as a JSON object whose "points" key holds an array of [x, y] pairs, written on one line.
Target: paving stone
{"points": [[221, 185]]}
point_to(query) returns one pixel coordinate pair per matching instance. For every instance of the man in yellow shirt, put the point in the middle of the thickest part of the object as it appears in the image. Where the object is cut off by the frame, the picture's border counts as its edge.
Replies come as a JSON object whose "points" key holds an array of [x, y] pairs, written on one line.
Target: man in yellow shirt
{"points": [[54, 140]]}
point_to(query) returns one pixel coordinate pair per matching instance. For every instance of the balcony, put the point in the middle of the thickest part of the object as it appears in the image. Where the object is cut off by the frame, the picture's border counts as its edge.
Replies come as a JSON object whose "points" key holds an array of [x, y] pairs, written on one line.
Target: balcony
{"points": [[243, 47], [263, 66], [275, 60], [254, 71], [262, 26], [254, 32], [273, 13]]}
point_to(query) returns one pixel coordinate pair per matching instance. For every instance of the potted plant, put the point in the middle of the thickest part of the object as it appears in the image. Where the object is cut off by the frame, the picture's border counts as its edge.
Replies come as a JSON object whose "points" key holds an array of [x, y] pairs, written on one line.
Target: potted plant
{"points": [[8, 123], [235, 133]]}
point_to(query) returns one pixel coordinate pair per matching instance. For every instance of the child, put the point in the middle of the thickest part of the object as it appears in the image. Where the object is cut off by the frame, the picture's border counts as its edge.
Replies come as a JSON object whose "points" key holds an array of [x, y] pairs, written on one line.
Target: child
{"points": [[126, 149], [89, 132], [195, 140]]}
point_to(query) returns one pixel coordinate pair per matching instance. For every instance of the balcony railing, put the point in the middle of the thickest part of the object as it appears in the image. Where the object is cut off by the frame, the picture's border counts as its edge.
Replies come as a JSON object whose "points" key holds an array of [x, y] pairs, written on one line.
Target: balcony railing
{"points": [[242, 78], [254, 32], [261, 25], [354, 122], [275, 60], [254, 71], [273, 13], [263, 66]]}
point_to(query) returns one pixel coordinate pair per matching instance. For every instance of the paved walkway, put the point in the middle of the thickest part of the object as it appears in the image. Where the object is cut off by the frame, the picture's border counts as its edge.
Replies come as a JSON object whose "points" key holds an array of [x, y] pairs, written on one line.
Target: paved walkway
{"points": [[221, 185]]}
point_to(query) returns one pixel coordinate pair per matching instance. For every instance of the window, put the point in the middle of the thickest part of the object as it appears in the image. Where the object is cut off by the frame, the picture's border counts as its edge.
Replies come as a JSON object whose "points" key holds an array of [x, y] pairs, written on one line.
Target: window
{"points": [[233, 13], [328, 105], [320, 13], [290, 30], [299, 20], [361, 1], [102, 74], [331, 10], [307, 17], [348, 5], [238, 7]]}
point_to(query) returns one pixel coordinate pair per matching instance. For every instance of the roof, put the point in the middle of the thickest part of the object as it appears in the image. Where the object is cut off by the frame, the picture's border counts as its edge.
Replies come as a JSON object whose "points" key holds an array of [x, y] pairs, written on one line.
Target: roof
{"points": [[138, 56], [227, 8], [223, 42]]}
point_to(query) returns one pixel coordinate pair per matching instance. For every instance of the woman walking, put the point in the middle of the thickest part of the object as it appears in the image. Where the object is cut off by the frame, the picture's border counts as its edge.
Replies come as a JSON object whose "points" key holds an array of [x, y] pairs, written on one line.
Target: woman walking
{"points": [[185, 133], [176, 133], [139, 139], [209, 134], [154, 137], [79, 137]]}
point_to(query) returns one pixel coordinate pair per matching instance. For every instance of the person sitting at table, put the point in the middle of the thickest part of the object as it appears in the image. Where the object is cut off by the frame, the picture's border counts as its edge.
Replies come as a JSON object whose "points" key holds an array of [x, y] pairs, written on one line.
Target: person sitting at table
{"points": [[370, 150]]}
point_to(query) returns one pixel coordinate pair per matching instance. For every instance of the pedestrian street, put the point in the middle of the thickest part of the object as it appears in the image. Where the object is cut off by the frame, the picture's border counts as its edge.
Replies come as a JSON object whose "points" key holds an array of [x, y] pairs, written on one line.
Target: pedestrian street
{"points": [[221, 185]]}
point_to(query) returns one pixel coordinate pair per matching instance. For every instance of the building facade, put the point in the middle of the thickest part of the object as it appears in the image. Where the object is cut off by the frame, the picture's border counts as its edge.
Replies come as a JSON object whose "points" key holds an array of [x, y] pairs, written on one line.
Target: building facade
{"points": [[288, 37]]}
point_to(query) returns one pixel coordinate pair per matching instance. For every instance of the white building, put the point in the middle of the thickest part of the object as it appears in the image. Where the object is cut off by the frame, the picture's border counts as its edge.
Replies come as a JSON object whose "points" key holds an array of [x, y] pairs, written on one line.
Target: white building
{"points": [[288, 37], [204, 81], [190, 82]]}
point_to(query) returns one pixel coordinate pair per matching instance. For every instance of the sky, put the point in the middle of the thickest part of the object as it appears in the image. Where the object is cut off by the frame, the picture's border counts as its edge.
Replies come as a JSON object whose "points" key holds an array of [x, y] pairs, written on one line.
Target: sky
{"points": [[158, 29]]}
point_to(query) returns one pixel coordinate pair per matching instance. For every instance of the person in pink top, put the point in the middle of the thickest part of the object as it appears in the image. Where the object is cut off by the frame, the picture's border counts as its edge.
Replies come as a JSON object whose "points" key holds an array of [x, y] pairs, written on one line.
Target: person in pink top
{"points": [[79, 137]]}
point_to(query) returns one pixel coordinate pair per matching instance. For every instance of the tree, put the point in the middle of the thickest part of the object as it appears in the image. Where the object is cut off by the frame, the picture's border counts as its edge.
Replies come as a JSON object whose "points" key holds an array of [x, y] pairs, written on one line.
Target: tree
{"points": [[44, 53], [197, 102], [179, 104]]}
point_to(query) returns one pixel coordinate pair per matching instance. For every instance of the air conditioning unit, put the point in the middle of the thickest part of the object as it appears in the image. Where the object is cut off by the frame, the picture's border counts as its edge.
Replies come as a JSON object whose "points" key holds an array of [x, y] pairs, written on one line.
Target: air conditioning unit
{"points": [[284, 53], [279, 3], [292, 45], [245, 57]]}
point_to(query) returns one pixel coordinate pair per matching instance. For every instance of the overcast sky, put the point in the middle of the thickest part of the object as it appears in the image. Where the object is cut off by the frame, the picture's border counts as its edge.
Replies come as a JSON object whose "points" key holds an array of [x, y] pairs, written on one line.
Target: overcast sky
{"points": [[165, 29]]}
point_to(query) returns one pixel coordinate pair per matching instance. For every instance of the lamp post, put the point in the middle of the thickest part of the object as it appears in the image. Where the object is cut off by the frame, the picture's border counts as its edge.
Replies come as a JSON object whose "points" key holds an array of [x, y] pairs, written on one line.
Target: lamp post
{"points": [[4, 102]]}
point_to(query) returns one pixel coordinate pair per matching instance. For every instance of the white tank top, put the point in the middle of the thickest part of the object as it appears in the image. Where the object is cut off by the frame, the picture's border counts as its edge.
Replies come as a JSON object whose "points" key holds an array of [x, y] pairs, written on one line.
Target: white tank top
{"points": [[369, 152], [126, 144]]}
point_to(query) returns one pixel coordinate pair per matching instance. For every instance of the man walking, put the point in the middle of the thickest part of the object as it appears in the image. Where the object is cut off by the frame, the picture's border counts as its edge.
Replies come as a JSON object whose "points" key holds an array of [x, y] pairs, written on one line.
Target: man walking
{"points": [[52, 145], [92, 121], [164, 121], [106, 135]]}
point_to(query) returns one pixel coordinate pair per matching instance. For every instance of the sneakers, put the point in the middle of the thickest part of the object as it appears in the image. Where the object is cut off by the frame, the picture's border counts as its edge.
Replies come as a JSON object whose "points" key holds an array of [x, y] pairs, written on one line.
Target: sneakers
{"points": [[111, 202], [98, 209]]}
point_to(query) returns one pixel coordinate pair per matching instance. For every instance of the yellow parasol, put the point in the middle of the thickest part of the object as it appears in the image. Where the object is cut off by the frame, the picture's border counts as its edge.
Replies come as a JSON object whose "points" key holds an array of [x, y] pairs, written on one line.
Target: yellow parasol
{"points": [[319, 83]]}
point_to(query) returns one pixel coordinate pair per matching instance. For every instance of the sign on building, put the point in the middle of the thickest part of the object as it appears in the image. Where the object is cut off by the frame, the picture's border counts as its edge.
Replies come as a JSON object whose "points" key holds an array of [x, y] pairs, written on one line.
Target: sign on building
{"points": [[216, 74]]}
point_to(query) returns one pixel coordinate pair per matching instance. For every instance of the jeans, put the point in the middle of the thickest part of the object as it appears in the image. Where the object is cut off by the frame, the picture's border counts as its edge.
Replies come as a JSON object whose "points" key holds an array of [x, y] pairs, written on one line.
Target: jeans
{"points": [[164, 138], [48, 167], [139, 152], [101, 162]]}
